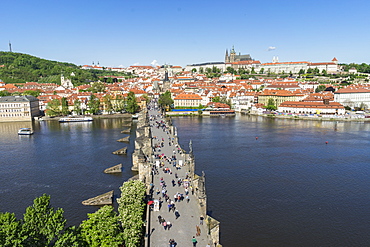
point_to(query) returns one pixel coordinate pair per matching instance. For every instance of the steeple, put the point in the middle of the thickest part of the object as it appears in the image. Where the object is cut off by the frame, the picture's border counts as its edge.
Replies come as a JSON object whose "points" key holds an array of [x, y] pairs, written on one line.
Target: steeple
{"points": [[227, 56], [232, 51]]}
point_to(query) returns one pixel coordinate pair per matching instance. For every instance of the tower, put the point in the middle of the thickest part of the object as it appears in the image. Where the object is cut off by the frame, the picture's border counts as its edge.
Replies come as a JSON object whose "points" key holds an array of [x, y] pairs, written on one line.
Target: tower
{"points": [[227, 56], [232, 55], [10, 46]]}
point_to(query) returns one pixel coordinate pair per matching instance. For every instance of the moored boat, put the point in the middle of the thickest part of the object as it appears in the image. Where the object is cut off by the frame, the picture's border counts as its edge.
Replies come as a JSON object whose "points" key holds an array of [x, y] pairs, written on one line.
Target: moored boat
{"points": [[75, 119], [25, 131]]}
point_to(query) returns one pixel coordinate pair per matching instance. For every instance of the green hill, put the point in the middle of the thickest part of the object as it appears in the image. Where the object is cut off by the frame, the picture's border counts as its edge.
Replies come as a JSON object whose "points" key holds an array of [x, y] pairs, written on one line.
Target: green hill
{"points": [[20, 68]]}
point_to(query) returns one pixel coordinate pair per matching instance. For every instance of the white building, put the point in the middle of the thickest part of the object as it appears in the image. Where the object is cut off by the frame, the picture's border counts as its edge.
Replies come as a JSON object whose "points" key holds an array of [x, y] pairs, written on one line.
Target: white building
{"points": [[302, 107], [352, 97], [18, 108]]}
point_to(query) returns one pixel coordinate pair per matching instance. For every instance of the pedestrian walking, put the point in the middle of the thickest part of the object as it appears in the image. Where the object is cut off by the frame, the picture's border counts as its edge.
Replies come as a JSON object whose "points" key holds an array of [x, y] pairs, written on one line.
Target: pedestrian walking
{"points": [[194, 241], [198, 230], [177, 214], [201, 218]]}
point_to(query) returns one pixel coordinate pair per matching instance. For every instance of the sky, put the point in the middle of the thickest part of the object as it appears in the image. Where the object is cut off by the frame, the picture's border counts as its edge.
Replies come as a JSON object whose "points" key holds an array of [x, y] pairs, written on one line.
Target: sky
{"points": [[126, 32]]}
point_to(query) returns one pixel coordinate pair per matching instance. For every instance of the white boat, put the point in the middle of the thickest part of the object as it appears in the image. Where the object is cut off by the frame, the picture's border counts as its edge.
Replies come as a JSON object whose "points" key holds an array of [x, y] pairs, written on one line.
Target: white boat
{"points": [[25, 131], [75, 119]]}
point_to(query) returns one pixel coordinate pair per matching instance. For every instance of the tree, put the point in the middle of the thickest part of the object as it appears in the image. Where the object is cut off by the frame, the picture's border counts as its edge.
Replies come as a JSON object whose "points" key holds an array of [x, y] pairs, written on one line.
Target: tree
{"points": [[41, 223], [64, 103], [320, 88], [230, 70], [94, 104], [194, 70], [165, 100], [4, 93], [10, 230], [77, 107], [131, 207], [53, 108], [301, 71], [253, 72], [118, 104], [102, 228], [131, 104], [71, 237], [201, 70], [108, 103], [32, 92], [97, 87], [216, 99], [271, 104]]}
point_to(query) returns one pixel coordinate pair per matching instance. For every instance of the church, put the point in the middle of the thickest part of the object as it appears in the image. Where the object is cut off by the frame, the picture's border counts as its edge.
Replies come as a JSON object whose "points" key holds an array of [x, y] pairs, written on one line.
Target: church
{"points": [[236, 58]]}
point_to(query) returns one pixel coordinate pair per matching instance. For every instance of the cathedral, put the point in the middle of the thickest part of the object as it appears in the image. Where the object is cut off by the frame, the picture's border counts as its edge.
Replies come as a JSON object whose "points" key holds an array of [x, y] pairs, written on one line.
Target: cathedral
{"points": [[236, 58]]}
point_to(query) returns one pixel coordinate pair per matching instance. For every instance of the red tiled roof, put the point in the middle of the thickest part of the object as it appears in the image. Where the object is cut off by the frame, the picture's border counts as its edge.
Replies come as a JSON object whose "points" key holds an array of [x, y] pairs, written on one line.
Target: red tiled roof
{"points": [[188, 96]]}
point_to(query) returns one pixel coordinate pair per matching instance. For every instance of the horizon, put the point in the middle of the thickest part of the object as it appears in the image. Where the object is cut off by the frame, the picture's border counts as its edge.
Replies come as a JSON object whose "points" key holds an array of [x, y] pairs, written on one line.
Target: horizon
{"points": [[119, 34]]}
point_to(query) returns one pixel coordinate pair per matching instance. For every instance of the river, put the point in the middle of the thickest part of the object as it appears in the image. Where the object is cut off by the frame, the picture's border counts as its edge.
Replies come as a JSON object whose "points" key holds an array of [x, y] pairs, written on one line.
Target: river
{"points": [[285, 188]]}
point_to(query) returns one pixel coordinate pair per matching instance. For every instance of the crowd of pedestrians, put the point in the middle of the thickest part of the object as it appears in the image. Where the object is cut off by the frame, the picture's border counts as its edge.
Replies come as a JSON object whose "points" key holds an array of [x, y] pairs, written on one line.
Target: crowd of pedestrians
{"points": [[172, 183]]}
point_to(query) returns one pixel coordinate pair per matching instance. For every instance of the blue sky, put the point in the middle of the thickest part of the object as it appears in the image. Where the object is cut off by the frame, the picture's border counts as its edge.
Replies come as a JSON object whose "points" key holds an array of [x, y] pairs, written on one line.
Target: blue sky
{"points": [[121, 32]]}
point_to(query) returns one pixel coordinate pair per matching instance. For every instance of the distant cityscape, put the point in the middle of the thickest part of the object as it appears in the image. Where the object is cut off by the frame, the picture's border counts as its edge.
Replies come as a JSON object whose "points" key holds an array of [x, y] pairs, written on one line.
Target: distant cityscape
{"points": [[239, 83]]}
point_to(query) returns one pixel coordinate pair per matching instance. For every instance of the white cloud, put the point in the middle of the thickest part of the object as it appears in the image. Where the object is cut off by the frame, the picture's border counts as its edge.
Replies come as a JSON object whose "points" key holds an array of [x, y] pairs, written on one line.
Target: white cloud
{"points": [[271, 48], [154, 63], [135, 64]]}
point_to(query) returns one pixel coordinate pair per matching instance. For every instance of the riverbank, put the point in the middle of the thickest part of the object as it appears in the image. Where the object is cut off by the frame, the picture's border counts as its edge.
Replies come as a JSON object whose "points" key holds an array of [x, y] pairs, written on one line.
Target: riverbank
{"points": [[311, 118], [104, 116]]}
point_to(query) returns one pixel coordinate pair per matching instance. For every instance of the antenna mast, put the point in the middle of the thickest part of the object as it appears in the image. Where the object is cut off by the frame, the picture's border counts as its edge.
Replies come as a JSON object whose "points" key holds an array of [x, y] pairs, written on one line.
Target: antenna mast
{"points": [[10, 46]]}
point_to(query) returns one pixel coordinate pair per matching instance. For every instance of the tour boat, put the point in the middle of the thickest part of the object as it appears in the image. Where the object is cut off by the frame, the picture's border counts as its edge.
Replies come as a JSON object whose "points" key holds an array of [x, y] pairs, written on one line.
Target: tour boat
{"points": [[25, 131], [75, 119]]}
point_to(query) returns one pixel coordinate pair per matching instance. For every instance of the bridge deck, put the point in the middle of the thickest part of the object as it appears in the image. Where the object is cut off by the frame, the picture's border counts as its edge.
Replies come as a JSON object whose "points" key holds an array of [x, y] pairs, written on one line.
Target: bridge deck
{"points": [[185, 227]]}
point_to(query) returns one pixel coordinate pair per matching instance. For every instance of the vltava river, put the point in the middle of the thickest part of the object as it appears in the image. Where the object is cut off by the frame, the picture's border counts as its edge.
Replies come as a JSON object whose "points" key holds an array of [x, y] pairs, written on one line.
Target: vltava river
{"points": [[286, 188]]}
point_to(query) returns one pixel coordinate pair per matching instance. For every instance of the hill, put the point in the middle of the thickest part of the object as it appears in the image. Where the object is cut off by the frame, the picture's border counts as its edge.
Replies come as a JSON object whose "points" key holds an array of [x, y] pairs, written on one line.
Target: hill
{"points": [[20, 68]]}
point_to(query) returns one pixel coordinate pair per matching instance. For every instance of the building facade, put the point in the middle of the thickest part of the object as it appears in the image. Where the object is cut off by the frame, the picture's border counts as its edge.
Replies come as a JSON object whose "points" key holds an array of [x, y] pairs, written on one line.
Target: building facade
{"points": [[187, 100], [18, 108]]}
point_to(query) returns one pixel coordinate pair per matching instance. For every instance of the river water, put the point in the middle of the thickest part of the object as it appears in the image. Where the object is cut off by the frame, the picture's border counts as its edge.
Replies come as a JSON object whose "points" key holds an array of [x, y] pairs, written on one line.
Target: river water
{"points": [[286, 188]]}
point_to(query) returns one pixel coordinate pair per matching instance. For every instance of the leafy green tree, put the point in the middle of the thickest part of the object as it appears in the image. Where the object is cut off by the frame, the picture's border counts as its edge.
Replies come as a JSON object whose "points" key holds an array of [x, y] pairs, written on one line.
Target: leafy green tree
{"points": [[97, 87], [216, 99], [64, 103], [230, 70], [71, 237], [41, 223], [131, 208], [77, 107], [32, 92], [118, 104], [94, 104], [131, 104], [102, 228], [10, 230], [253, 71], [108, 103], [4, 93], [320, 88], [301, 72], [165, 100], [271, 104], [194, 70], [201, 70], [53, 108]]}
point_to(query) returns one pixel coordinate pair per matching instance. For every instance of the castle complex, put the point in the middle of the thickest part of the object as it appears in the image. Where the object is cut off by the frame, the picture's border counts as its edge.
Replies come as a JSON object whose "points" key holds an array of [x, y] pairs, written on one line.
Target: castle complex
{"points": [[236, 58]]}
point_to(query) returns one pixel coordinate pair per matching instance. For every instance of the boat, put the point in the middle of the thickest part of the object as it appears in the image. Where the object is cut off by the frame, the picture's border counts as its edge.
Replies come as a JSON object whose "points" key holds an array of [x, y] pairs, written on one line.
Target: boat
{"points": [[25, 131], [75, 119]]}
